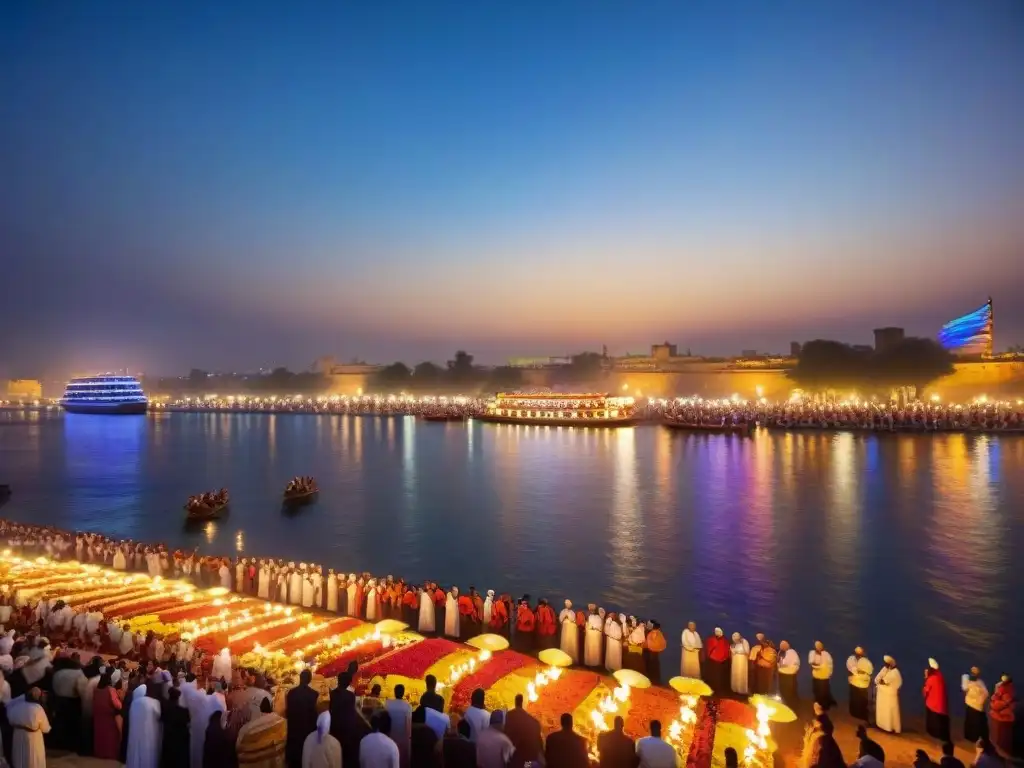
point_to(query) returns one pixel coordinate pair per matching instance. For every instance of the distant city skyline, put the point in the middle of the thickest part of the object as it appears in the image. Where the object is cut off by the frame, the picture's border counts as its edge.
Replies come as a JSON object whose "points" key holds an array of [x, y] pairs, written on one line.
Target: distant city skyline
{"points": [[187, 186]]}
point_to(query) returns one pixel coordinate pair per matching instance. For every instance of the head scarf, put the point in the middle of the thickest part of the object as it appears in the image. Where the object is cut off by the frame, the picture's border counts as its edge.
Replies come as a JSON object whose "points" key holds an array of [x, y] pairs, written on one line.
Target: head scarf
{"points": [[323, 725]]}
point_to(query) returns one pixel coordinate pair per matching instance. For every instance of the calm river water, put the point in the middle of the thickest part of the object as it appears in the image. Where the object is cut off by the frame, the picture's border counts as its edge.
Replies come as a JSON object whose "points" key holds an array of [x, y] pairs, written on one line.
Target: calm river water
{"points": [[904, 544]]}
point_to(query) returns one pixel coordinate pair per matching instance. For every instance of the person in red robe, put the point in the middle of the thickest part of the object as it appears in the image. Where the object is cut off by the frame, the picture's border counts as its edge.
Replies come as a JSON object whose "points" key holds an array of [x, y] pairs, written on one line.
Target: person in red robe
{"points": [[581, 634], [440, 600], [936, 704], [478, 611], [499, 616], [410, 606], [467, 617], [1001, 715], [359, 599], [523, 641], [719, 658], [547, 626]]}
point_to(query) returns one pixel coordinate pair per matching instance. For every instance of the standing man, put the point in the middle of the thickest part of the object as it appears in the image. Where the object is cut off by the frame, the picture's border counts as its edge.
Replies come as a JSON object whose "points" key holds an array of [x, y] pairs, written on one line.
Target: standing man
{"points": [[740, 650], [612, 642], [718, 657], [594, 638], [655, 645], [936, 703], [569, 642], [525, 623], [546, 625], [789, 665], [860, 669], [821, 664], [764, 659], [524, 731], [689, 665], [887, 697], [975, 696]]}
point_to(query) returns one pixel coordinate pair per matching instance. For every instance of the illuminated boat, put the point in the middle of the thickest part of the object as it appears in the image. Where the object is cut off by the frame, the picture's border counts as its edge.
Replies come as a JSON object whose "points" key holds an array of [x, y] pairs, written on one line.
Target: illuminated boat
{"points": [[106, 394], [561, 409]]}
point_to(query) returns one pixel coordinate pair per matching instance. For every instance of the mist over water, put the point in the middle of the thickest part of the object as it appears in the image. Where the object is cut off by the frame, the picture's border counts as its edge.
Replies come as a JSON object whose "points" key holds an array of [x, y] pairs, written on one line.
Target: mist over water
{"points": [[903, 544]]}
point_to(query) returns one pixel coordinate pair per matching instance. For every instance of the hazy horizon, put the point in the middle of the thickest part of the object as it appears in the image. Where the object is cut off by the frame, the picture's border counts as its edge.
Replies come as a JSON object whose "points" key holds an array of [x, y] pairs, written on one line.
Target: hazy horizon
{"points": [[188, 185]]}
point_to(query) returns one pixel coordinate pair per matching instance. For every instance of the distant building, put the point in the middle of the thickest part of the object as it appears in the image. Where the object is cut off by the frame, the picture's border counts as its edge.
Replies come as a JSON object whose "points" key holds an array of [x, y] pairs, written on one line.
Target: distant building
{"points": [[24, 389], [747, 353], [887, 338], [663, 351], [539, 362]]}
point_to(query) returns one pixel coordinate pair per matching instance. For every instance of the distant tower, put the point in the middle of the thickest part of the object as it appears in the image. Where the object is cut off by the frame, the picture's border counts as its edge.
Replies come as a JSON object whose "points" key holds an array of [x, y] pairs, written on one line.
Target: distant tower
{"points": [[604, 351]]}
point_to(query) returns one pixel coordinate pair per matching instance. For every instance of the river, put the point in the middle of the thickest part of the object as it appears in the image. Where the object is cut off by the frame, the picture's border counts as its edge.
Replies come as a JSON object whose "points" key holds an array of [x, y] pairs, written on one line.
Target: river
{"points": [[901, 543]]}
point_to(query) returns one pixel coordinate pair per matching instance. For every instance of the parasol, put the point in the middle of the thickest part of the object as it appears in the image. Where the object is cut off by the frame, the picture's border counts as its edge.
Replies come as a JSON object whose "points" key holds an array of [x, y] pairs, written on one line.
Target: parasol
{"points": [[631, 678], [488, 642], [555, 657], [690, 686], [777, 711]]}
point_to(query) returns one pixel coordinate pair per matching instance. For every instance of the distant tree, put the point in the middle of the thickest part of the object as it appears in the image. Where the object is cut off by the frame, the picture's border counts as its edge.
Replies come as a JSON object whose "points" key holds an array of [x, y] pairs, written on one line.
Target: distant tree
{"points": [[825, 364], [505, 377], [427, 375], [914, 362], [460, 369], [396, 376]]}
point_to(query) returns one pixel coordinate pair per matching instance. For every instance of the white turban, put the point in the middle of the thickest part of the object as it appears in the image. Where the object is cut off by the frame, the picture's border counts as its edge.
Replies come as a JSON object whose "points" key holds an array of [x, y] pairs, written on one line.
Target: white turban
{"points": [[933, 663], [718, 632], [323, 726]]}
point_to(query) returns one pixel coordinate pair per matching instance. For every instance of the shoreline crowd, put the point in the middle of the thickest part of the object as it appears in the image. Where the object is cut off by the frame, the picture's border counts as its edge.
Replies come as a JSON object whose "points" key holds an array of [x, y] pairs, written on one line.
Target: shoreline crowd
{"points": [[914, 416], [593, 638]]}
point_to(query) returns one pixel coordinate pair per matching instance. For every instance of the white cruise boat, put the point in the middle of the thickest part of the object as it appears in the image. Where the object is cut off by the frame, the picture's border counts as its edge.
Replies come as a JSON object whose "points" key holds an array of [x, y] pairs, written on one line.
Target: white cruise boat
{"points": [[104, 394]]}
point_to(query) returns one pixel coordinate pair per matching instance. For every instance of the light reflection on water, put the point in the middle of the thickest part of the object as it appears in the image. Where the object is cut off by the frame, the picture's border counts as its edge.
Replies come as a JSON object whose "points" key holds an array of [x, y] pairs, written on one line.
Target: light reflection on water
{"points": [[902, 544]]}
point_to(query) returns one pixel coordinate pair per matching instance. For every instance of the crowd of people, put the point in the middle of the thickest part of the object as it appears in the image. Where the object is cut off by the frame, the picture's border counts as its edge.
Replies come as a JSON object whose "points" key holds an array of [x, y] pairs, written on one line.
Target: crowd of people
{"points": [[205, 502], [302, 485], [982, 415], [592, 638]]}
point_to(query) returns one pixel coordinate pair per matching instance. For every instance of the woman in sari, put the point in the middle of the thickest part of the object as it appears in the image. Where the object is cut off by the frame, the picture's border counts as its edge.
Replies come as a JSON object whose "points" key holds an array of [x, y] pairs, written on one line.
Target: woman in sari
{"points": [[261, 741], [107, 721]]}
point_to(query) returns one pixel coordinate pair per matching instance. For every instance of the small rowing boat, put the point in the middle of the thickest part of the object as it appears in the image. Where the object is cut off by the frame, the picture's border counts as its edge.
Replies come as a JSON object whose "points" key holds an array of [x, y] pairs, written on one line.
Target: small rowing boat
{"points": [[200, 512], [300, 498]]}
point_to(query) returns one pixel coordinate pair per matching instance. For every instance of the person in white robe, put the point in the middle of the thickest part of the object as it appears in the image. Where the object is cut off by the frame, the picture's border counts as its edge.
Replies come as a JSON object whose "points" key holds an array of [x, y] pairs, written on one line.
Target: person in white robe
{"points": [[222, 666], [740, 650], [263, 584], [320, 749], [350, 604], [372, 601], [451, 613], [821, 665], [789, 666], [975, 696], [283, 578], [488, 608], [199, 708], [146, 732], [7, 642], [887, 697], [332, 591], [294, 586], [308, 589], [569, 641], [30, 723], [127, 643], [612, 643], [225, 575], [428, 615], [120, 562], [240, 568], [318, 587], [689, 665], [594, 639]]}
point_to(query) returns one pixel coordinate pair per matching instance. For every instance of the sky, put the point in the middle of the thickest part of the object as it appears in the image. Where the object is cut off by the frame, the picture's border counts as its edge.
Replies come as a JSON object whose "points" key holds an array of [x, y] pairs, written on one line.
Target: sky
{"points": [[235, 185]]}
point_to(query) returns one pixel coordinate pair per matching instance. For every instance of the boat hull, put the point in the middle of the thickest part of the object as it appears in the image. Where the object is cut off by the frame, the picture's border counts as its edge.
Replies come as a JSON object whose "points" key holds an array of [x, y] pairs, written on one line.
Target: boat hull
{"points": [[300, 499], [112, 409], [592, 423], [206, 513], [744, 430]]}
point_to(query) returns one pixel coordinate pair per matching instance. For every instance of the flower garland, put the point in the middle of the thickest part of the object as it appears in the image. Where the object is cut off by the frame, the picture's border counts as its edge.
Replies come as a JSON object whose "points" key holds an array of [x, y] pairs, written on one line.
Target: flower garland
{"points": [[142, 607], [412, 662], [562, 695], [364, 653], [702, 747], [193, 611], [649, 704], [486, 676]]}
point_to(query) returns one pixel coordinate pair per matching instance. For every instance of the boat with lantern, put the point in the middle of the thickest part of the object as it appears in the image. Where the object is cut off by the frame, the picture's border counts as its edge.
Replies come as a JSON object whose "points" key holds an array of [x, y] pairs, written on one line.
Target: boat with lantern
{"points": [[560, 409]]}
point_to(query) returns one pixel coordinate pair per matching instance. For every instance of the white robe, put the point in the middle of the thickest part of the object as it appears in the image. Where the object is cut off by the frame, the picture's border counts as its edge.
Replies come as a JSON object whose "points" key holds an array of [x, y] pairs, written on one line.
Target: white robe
{"points": [[263, 586], [120, 563], [28, 749], [569, 641], [428, 615], [371, 604], [740, 666], [451, 615], [221, 667], [887, 699], [225, 578], [239, 576], [351, 603], [321, 753], [146, 733], [689, 665], [295, 588], [307, 591], [594, 640], [612, 645], [318, 589], [332, 593], [488, 607]]}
